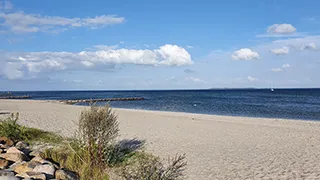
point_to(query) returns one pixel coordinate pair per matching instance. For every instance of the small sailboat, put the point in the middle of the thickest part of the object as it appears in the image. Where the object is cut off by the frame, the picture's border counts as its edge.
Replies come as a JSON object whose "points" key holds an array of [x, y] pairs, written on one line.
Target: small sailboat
{"points": [[272, 90]]}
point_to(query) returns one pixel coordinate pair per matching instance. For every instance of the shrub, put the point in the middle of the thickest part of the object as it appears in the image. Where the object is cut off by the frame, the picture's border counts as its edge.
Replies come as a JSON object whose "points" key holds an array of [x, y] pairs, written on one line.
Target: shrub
{"points": [[147, 166], [94, 144], [98, 128]]}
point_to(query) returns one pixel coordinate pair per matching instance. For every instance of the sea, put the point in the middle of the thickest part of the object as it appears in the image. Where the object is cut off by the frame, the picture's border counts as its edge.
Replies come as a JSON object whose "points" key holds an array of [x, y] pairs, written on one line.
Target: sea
{"points": [[281, 103]]}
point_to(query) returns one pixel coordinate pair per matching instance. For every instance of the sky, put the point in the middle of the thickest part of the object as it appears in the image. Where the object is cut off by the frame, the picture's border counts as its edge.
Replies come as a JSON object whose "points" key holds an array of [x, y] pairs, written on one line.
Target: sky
{"points": [[137, 45]]}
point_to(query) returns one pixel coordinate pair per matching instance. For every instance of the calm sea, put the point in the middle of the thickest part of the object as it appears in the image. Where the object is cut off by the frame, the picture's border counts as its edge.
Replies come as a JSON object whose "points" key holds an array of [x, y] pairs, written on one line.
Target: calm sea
{"points": [[282, 103]]}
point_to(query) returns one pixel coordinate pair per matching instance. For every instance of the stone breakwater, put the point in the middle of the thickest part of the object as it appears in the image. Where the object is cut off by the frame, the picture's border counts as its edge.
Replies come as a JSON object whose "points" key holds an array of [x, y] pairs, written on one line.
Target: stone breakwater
{"points": [[20, 161], [101, 100], [15, 97]]}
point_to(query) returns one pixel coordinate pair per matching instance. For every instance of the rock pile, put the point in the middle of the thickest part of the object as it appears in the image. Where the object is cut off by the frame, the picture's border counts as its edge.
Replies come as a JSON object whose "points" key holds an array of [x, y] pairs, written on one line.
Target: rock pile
{"points": [[20, 161]]}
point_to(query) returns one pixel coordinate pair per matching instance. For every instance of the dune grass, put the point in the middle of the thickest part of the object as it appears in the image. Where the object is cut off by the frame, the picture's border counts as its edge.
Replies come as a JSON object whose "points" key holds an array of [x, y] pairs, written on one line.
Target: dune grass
{"points": [[10, 128]]}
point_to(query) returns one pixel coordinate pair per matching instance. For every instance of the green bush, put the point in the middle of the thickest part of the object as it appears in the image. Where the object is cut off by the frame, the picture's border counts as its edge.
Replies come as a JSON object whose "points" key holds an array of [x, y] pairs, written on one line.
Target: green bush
{"points": [[10, 128], [98, 128]]}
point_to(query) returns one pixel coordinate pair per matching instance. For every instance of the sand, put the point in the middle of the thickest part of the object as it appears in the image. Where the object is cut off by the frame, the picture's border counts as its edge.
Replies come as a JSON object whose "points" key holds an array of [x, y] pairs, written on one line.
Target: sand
{"points": [[217, 147]]}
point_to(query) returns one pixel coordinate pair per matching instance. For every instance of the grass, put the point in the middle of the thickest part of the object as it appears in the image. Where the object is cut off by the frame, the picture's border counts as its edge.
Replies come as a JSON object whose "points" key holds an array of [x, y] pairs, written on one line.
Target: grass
{"points": [[10, 128], [147, 166], [94, 152]]}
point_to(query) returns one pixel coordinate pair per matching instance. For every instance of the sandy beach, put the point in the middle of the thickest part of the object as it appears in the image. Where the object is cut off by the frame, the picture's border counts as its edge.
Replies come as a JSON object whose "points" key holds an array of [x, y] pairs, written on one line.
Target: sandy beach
{"points": [[217, 147]]}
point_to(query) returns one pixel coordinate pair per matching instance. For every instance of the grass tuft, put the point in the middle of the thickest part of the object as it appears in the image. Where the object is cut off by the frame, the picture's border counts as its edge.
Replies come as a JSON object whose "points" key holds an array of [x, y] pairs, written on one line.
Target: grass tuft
{"points": [[147, 166], [10, 128]]}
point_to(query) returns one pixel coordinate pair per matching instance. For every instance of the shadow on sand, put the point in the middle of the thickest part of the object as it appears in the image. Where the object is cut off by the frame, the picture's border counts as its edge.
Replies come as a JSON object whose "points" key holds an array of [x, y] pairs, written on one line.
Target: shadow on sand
{"points": [[125, 149]]}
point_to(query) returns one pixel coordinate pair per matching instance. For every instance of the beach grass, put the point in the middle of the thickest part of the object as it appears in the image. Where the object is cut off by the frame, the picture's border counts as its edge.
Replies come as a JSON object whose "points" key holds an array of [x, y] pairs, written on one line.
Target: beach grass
{"points": [[10, 128]]}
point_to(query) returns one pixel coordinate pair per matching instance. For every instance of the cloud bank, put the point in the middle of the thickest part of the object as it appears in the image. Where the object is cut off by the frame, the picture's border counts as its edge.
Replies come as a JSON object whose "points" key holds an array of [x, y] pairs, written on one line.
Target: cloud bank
{"points": [[19, 65]]}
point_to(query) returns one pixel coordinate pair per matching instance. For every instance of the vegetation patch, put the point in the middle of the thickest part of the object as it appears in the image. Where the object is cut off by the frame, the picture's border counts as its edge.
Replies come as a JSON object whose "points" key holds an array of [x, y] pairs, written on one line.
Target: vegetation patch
{"points": [[94, 153]]}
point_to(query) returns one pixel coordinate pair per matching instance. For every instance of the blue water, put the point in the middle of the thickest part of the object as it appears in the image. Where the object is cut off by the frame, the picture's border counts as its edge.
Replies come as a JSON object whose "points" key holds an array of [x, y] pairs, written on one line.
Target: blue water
{"points": [[282, 103]]}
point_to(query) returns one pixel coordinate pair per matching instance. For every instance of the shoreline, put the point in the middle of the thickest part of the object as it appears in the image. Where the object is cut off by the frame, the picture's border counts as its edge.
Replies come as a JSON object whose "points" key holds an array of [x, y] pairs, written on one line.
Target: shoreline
{"points": [[188, 113], [217, 147]]}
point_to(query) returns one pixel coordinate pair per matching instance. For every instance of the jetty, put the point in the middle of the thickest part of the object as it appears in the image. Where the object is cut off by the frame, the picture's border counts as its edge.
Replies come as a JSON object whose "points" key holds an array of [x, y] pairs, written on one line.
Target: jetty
{"points": [[101, 100], [15, 97]]}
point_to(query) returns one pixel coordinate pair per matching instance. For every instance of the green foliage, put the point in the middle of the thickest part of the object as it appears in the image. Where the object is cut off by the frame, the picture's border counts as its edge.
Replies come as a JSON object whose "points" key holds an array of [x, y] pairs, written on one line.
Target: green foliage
{"points": [[147, 166], [98, 128], [73, 156], [11, 129]]}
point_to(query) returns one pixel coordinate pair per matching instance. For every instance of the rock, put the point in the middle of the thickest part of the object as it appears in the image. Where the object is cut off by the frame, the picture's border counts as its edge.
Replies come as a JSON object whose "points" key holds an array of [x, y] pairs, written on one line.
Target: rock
{"points": [[14, 150], [32, 175], [6, 173], [3, 163], [35, 153], [40, 160], [14, 157], [63, 174], [22, 168], [9, 178], [48, 169], [22, 145], [6, 141], [4, 146]]}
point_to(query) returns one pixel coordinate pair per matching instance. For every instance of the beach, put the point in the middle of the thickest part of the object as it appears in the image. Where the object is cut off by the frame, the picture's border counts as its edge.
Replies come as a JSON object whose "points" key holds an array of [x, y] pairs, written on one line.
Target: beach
{"points": [[217, 147]]}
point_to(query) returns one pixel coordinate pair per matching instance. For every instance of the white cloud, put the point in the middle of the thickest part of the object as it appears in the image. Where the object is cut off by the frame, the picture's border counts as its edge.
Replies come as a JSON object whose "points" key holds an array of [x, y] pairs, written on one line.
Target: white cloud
{"points": [[20, 22], [245, 54], [189, 47], [276, 70], [286, 65], [252, 79], [281, 29], [280, 51], [31, 63], [194, 79], [309, 46]]}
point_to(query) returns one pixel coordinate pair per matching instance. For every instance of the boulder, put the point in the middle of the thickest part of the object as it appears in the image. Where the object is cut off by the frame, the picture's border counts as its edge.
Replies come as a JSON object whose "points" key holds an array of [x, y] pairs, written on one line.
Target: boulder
{"points": [[14, 157], [6, 141], [40, 160], [6, 173], [22, 145], [22, 167], [47, 169], [4, 146], [35, 153], [32, 175], [14, 150], [63, 174], [3, 163], [9, 178]]}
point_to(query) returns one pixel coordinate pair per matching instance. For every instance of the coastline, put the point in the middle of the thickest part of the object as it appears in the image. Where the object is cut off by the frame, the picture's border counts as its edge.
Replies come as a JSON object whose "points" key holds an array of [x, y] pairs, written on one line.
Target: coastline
{"points": [[217, 147]]}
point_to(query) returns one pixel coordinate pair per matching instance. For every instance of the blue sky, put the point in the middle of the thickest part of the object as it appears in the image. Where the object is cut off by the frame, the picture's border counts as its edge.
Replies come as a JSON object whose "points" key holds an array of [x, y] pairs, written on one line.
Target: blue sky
{"points": [[63, 45]]}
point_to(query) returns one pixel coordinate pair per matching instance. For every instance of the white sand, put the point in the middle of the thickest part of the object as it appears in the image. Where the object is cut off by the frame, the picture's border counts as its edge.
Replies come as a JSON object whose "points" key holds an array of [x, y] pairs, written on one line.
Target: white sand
{"points": [[217, 147]]}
